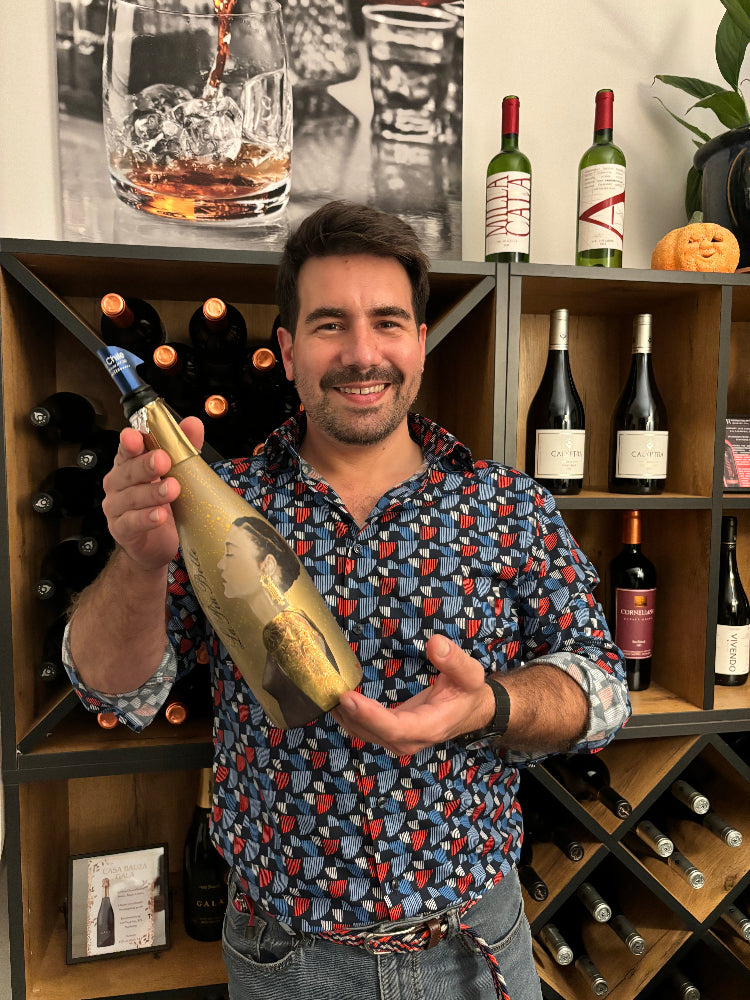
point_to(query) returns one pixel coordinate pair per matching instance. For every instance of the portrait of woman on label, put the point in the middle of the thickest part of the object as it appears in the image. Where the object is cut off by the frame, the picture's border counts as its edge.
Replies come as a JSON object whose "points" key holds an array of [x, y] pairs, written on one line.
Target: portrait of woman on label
{"points": [[300, 670]]}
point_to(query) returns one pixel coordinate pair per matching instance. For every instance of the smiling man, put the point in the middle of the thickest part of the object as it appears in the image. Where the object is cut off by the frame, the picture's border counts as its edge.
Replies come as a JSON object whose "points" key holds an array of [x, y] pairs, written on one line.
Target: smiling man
{"points": [[373, 850]]}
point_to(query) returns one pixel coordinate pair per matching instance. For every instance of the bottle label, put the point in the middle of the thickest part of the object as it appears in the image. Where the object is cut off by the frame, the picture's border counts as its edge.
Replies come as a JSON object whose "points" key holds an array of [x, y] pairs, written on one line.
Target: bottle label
{"points": [[601, 207], [642, 454], [508, 219], [634, 622], [559, 454], [732, 650]]}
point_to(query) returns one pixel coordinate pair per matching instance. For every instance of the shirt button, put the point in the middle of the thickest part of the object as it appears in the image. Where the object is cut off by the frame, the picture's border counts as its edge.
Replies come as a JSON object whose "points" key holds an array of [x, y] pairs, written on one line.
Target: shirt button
{"points": [[357, 629], [381, 800], [356, 549]]}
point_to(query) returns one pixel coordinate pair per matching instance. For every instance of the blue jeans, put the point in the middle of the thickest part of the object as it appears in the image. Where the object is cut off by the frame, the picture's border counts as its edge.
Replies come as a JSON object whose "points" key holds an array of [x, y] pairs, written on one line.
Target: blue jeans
{"points": [[267, 962]]}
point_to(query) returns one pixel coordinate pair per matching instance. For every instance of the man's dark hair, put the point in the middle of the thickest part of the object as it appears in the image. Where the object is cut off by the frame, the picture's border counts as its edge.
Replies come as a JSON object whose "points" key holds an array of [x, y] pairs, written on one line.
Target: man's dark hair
{"points": [[343, 227]]}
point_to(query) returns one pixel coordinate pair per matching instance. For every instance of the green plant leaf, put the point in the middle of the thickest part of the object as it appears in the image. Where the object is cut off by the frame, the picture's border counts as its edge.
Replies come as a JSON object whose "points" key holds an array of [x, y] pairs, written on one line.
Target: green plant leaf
{"points": [[739, 11], [704, 136], [731, 44], [693, 192], [728, 107], [692, 85]]}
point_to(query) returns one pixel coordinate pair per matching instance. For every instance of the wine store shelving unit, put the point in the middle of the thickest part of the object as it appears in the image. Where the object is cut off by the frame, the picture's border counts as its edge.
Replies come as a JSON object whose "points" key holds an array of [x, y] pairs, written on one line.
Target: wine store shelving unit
{"points": [[109, 790]]}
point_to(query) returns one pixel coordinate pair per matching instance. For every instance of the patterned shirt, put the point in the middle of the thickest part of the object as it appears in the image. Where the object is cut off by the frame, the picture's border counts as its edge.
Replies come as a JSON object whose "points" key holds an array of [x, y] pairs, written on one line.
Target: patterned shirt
{"points": [[331, 832]]}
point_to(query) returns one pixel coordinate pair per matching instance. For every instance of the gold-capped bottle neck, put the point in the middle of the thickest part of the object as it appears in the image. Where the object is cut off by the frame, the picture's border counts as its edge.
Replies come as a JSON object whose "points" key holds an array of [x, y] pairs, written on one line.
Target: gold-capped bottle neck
{"points": [[116, 309], [107, 720], [215, 310], [258, 449], [176, 712], [166, 357], [216, 406], [264, 359]]}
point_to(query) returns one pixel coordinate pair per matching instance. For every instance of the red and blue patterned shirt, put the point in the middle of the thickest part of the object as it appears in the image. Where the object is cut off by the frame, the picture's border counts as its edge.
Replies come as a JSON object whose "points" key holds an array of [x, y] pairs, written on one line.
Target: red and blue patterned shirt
{"points": [[330, 832]]}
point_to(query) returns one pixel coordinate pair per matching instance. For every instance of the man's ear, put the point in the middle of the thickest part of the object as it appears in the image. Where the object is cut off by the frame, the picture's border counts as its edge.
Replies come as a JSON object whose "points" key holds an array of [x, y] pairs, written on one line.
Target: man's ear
{"points": [[286, 343]]}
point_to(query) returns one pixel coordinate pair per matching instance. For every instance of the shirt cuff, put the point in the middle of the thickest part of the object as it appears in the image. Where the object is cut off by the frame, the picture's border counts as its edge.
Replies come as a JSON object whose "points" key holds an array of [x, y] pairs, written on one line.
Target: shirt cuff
{"points": [[609, 704], [133, 708]]}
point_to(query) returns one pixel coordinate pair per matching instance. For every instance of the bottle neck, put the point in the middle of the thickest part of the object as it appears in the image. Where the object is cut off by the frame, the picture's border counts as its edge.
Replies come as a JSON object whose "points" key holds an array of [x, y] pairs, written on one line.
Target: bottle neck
{"points": [[602, 137], [509, 142]]}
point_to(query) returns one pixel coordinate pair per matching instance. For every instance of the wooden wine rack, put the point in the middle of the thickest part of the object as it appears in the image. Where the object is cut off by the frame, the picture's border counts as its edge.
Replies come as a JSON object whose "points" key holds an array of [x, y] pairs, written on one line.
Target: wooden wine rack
{"points": [[73, 788]]}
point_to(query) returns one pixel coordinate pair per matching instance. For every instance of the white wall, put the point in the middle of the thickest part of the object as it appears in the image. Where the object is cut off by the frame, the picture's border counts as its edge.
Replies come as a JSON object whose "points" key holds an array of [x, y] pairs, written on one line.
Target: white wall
{"points": [[554, 54]]}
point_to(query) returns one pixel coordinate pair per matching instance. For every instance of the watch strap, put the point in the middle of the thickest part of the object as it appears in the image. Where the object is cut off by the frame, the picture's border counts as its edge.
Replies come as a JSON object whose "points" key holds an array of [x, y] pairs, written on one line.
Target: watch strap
{"points": [[498, 724]]}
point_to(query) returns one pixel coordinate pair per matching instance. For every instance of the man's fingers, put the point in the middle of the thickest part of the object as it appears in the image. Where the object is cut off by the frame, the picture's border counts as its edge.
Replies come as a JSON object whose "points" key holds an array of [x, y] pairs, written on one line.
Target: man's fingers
{"points": [[194, 431], [454, 663]]}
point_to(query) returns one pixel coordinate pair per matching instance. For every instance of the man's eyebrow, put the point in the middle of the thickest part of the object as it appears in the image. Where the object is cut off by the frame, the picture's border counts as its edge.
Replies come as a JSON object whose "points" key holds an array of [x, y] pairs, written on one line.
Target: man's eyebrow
{"points": [[335, 312]]}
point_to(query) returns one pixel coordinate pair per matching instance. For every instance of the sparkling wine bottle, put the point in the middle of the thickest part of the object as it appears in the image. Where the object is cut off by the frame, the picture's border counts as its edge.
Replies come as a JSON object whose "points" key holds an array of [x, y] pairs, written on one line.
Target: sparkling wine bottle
{"points": [[204, 883], [586, 777], [280, 634], [633, 602], [105, 919], [228, 429], [508, 206], [63, 417], [732, 662], [174, 374], [601, 193], [131, 323], [218, 333], [555, 426], [640, 438]]}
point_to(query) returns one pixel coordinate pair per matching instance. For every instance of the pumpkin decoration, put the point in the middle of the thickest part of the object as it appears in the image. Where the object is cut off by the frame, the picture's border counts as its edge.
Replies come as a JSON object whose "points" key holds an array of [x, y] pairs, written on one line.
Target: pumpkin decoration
{"points": [[698, 246]]}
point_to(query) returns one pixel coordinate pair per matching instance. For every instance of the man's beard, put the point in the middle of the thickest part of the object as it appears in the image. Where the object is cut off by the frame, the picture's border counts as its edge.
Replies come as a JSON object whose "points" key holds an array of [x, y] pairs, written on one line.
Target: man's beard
{"points": [[364, 428]]}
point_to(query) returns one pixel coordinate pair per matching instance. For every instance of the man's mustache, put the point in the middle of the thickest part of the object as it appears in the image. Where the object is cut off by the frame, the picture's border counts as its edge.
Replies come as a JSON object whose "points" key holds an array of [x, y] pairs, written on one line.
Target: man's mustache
{"points": [[345, 376]]}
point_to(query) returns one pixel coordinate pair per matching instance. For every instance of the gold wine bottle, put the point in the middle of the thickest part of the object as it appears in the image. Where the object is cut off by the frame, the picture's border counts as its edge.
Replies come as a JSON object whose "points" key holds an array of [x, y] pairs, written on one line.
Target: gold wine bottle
{"points": [[253, 589]]}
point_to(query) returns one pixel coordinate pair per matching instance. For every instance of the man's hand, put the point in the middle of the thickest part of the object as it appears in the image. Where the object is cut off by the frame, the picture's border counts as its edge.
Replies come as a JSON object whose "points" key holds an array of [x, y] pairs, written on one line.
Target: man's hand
{"points": [[138, 497], [458, 702]]}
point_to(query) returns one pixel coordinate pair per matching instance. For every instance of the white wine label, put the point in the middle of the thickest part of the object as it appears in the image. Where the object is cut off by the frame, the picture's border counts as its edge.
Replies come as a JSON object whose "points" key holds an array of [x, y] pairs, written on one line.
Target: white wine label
{"points": [[601, 207], [559, 454], [642, 454], [732, 650], [508, 218]]}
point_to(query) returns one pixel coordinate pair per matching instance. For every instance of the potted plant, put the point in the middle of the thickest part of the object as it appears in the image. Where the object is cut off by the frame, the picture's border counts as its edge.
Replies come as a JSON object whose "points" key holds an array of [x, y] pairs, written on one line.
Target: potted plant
{"points": [[718, 182]]}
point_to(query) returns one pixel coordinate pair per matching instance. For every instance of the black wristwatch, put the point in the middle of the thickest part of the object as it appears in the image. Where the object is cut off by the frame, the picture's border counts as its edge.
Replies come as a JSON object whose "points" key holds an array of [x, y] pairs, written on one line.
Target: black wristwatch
{"points": [[497, 725]]}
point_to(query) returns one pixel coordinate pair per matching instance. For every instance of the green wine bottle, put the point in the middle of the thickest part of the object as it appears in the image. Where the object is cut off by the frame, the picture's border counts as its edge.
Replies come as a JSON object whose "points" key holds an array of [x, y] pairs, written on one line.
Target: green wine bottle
{"points": [[508, 211], [601, 193]]}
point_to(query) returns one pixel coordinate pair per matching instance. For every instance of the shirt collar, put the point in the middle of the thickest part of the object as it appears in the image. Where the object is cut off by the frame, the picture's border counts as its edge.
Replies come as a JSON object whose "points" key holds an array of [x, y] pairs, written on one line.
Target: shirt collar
{"points": [[440, 449]]}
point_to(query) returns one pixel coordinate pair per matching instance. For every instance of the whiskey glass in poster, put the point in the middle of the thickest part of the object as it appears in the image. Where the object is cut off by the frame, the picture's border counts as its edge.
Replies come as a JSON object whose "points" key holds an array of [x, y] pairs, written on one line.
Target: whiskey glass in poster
{"points": [[198, 109], [118, 903]]}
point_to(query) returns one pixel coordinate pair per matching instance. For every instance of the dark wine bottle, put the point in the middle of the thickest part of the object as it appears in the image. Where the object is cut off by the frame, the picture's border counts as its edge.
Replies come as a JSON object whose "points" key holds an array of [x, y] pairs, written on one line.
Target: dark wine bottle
{"points": [[542, 823], [630, 936], [218, 333], [132, 324], [556, 945], [738, 921], [107, 720], [569, 930], [63, 417], [633, 602], [586, 777], [174, 373], [690, 797], [733, 615], [204, 871], [66, 570], [590, 897], [94, 537], [98, 451], [686, 870], [683, 987], [555, 426], [507, 230], [650, 834], [530, 879], [51, 669], [68, 492], [105, 919], [225, 420], [601, 193], [640, 438]]}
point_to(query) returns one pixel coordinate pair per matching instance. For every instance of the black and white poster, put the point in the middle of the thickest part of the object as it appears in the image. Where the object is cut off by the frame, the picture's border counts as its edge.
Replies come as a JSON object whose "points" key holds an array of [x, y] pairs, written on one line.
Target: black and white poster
{"points": [[222, 123]]}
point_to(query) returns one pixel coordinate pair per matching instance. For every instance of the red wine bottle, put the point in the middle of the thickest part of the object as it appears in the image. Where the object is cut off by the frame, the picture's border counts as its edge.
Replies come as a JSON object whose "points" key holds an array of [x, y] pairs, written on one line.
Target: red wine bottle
{"points": [[64, 417], [542, 823], [51, 669], [66, 570], [586, 777], [68, 492], [204, 872], [736, 919], [98, 451], [94, 537], [630, 936], [594, 902], [683, 988], [633, 602], [555, 426], [640, 437], [105, 919], [530, 879], [732, 662], [556, 944], [132, 324]]}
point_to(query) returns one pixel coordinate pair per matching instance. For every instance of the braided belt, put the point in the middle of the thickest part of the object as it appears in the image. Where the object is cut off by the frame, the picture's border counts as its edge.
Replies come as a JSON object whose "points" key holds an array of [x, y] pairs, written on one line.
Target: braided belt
{"points": [[420, 937]]}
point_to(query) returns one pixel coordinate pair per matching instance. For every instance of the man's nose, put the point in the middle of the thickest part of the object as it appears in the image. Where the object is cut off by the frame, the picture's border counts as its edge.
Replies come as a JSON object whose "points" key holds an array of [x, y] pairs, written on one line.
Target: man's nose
{"points": [[361, 347]]}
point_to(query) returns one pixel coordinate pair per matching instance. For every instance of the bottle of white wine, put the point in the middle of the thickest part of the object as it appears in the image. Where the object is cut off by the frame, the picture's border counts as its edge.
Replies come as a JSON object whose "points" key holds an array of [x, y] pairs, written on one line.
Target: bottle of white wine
{"points": [[555, 427], [601, 193], [295, 658]]}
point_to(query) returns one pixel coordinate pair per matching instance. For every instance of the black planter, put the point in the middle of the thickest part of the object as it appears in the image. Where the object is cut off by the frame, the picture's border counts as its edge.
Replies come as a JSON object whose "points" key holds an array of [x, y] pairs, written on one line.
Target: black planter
{"points": [[725, 193]]}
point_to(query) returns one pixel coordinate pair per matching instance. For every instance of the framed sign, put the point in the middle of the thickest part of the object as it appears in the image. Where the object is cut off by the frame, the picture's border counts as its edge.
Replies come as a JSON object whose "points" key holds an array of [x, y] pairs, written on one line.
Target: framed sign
{"points": [[117, 904]]}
